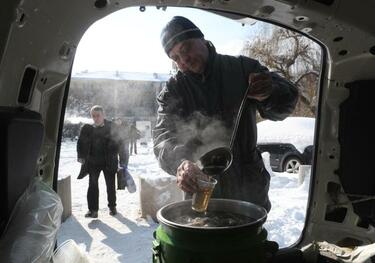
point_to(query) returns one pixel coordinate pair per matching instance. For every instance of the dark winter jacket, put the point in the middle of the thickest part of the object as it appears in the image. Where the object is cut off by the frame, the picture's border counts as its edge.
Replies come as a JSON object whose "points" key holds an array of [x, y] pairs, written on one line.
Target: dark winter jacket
{"points": [[197, 114], [135, 134], [112, 147]]}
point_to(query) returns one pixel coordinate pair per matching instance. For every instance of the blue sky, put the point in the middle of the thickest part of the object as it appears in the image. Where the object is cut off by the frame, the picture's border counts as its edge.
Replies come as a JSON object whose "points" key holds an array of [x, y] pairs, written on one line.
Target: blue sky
{"points": [[129, 40]]}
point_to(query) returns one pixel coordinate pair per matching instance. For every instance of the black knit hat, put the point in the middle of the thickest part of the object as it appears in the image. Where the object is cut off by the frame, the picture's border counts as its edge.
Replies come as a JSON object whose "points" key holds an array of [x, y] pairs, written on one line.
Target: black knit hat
{"points": [[177, 30]]}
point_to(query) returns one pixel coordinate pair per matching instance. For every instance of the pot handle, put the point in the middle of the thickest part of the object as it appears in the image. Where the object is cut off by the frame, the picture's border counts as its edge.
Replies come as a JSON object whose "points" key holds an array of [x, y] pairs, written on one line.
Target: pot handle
{"points": [[156, 252], [271, 248]]}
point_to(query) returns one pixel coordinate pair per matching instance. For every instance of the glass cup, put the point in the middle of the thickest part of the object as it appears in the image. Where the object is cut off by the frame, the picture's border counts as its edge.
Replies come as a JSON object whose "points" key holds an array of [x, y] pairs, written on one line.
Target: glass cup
{"points": [[202, 197]]}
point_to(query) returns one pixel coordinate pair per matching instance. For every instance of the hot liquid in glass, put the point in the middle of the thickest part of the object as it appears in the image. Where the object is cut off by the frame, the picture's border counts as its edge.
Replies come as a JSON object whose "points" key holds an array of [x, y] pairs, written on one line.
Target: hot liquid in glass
{"points": [[202, 197]]}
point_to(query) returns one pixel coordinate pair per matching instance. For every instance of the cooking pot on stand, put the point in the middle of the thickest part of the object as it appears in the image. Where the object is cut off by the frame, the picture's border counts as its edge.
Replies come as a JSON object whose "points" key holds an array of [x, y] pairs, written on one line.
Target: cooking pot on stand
{"points": [[180, 243]]}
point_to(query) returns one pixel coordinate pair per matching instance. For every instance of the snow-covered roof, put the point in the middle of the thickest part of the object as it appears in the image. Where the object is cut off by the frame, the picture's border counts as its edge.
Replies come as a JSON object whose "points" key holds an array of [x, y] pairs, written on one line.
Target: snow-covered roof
{"points": [[119, 75], [298, 131]]}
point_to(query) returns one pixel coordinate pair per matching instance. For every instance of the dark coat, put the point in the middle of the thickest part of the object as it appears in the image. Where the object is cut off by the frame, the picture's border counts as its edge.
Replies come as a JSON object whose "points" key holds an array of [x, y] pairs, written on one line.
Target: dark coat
{"points": [[197, 114], [135, 134], [114, 147]]}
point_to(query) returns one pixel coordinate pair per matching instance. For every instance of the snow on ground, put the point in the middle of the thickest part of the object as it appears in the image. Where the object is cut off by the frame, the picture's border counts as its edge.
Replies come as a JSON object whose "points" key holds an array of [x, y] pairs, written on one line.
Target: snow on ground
{"points": [[128, 238], [123, 238], [289, 202]]}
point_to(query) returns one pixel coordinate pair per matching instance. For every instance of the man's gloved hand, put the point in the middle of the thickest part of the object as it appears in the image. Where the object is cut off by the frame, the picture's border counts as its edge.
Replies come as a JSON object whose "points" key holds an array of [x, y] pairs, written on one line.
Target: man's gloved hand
{"points": [[187, 175], [260, 86], [81, 160]]}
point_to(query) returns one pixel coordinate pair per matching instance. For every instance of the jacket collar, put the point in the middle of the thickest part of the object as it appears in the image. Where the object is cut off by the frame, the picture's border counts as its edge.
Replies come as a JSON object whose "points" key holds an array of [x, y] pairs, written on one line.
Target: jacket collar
{"points": [[211, 59], [101, 125]]}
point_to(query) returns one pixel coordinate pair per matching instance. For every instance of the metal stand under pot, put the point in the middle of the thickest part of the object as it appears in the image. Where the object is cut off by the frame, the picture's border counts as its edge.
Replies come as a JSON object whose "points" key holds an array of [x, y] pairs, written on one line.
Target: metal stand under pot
{"points": [[183, 243]]}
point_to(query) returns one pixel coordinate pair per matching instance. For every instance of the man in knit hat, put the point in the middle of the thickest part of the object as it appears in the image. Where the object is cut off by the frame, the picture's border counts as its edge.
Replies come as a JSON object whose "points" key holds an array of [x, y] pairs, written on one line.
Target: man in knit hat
{"points": [[198, 108]]}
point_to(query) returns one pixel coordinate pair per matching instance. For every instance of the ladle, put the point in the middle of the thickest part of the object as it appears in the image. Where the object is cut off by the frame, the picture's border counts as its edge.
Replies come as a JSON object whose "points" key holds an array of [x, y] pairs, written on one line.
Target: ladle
{"points": [[218, 160]]}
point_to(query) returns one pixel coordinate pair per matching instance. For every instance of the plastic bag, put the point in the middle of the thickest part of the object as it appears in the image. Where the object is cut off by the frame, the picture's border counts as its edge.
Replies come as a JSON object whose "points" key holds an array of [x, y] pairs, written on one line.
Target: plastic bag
{"points": [[31, 231], [130, 184], [70, 252]]}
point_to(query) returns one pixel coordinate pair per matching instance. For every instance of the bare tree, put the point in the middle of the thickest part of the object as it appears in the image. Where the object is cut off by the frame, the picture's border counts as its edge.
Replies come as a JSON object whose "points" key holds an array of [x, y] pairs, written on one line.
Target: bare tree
{"points": [[293, 56]]}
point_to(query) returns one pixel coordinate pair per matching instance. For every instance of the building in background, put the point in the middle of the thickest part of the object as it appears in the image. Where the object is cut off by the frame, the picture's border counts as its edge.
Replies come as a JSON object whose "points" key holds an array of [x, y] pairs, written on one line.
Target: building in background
{"points": [[127, 95]]}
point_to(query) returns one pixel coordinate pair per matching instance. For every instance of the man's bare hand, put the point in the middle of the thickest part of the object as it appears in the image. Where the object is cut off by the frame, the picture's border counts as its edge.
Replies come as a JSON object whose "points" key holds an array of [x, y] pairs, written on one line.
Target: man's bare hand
{"points": [[187, 175], [260, 86]]}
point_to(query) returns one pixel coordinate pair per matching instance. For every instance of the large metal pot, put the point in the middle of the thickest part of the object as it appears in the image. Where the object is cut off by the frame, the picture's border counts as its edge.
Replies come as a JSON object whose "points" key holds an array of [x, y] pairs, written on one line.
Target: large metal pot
{"points": [[179, 243]]}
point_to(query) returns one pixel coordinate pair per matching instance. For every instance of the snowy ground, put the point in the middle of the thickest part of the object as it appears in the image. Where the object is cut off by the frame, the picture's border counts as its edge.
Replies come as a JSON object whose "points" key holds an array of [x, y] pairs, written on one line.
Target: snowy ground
{"points": [[127, 238]]}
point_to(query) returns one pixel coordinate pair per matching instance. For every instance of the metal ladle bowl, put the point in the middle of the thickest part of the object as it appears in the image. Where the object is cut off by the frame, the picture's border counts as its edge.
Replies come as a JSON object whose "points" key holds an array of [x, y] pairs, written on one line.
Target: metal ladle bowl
{"points": [[215, 161]]}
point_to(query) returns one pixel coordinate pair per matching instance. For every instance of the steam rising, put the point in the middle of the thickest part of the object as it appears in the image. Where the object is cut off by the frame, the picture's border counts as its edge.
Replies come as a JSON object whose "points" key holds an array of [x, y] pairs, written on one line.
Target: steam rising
{"points": [[208, 133]]}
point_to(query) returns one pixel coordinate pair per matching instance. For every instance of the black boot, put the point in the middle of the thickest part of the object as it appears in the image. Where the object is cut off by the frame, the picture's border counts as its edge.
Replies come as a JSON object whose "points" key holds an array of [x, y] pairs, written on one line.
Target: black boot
{"points": [[112, 211], [92, 214]]}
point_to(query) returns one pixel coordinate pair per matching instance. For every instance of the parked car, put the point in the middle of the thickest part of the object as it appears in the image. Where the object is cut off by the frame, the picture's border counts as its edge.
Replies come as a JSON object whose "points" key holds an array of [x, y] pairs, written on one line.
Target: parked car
{"points": [[284, 157], [289, 142]]}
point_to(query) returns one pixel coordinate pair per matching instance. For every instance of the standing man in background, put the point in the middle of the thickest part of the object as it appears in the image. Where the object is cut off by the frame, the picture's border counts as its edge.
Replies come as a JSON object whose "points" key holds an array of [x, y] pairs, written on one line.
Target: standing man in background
{"points": [[134, 136], [98, 148]]}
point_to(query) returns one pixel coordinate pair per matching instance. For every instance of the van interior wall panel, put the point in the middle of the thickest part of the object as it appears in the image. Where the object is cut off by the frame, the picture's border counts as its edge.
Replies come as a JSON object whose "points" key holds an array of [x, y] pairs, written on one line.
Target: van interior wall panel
{"points": [[21, 138], [357, 138], [7, 15]]}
